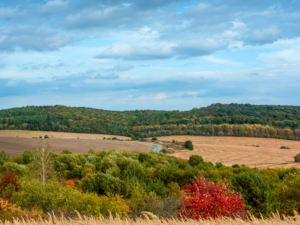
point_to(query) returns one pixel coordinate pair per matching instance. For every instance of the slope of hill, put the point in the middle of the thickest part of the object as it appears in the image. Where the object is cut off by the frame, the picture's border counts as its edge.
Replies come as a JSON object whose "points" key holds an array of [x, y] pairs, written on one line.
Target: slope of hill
{"points": [[89, 120]]}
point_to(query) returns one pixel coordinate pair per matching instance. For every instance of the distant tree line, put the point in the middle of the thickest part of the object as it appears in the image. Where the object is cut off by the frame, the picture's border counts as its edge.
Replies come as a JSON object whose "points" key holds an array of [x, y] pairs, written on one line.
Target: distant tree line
{"points": [[245, 130], [209, 120]]}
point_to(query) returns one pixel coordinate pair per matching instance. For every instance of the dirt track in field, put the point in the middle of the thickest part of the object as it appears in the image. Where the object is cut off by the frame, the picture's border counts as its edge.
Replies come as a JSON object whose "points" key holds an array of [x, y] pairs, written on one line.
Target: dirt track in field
{"points": [[233, 150], [59, 141]]}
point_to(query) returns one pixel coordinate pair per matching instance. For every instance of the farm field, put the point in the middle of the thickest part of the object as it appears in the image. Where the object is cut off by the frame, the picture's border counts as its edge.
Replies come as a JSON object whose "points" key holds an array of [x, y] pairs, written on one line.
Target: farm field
{"points": [[233, 150], [60, 141], [56, 135]]}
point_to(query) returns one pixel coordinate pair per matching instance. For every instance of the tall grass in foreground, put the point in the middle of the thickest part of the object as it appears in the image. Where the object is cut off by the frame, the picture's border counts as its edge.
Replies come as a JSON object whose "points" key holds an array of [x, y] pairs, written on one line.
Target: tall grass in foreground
{"points": [[150, 219]]}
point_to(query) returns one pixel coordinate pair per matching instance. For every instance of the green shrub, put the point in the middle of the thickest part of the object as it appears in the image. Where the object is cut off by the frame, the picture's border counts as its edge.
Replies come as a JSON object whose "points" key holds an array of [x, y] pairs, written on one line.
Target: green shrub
{"points": [[108, 184], [17, 159], [173, 141], [114, 138], [219, 165], [66, 151], [86, 171], [256, 194], [16, 168], [41, 137], [133, 138], [104, 138], [154, 139], [236, 166], [89, 183], [108, 138], [134, 169], [174, 189], [91, 151], [297, 158], [143, 157], [183, 177], [156, 186], [163, 150], [288, 194], [54, 196], [27, 156], [205, 166], [46, 136], [188, 145], [3, 157], [284, 147], [195, 160], [76, 172], [213, 175]]}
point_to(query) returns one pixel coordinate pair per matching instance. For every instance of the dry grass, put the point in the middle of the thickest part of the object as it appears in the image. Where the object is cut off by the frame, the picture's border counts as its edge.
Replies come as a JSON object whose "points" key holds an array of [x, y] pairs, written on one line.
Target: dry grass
{"points": [[233, 150], [150, 219]]}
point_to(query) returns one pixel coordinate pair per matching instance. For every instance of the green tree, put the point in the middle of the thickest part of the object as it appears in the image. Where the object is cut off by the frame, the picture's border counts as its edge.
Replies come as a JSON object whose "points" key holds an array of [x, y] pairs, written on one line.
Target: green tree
{"points": [[195, 160], [189, 145], [288, 194], [256, 194], [28, 156]]}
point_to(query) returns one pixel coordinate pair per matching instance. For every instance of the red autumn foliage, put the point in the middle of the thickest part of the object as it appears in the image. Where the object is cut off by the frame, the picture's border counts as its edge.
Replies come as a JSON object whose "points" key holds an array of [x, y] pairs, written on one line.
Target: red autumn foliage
{"points": [[6, 180], [205, 199]]}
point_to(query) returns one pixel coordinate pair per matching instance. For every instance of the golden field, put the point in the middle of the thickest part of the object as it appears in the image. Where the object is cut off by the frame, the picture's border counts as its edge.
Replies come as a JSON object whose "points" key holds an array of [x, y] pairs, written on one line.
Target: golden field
{"points": [[239, 150]]}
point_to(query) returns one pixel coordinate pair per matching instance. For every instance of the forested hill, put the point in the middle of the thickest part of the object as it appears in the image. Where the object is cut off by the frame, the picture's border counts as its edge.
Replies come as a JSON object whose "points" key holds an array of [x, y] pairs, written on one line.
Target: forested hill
{"points": [[89, 120]]}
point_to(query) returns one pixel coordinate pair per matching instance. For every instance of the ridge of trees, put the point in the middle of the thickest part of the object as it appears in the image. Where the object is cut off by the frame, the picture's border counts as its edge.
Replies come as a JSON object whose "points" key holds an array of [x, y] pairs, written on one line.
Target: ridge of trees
{"points": [[89, 120]]}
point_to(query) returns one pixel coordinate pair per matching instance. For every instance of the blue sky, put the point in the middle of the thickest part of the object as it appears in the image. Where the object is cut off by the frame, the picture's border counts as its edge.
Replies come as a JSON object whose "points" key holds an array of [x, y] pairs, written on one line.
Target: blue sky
{"points": [[154, 54]]}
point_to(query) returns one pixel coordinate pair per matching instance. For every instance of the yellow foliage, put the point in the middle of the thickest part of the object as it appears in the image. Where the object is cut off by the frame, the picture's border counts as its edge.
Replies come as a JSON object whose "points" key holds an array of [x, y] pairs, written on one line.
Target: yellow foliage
{"points": [[6, 207], [10, 211]]}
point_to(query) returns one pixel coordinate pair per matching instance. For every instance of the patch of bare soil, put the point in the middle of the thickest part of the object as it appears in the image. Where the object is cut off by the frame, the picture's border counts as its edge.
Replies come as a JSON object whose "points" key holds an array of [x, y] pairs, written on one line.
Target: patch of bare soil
{"points": [[239, 150], [16, 146]]}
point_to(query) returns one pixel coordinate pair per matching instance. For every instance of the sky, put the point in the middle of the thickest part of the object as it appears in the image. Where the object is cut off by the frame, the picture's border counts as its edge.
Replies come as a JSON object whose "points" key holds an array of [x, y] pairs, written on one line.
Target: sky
{"points": [[154, 54]]}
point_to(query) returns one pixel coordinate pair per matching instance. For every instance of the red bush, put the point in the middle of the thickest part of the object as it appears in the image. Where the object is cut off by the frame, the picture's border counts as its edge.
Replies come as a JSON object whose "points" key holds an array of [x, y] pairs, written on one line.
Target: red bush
{"points": [[205, 199], [70, 183], [6, 180]]}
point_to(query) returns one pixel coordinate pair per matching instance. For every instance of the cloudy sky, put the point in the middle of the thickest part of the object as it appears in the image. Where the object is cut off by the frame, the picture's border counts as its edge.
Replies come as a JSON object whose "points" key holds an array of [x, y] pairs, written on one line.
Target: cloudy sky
{"points": [[154, 54]]}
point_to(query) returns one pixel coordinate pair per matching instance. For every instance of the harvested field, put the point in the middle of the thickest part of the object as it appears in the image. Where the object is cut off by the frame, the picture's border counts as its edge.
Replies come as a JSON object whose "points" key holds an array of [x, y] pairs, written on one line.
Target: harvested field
{"points": [[56, 135], [233, 150], [16, 146]]}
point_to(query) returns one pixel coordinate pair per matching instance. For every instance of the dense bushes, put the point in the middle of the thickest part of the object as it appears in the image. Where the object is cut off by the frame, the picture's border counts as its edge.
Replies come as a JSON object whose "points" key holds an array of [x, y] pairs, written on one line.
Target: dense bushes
{"points": [[132, 182], [3, 157], [256, 193], [288, 194], [54, 196]]}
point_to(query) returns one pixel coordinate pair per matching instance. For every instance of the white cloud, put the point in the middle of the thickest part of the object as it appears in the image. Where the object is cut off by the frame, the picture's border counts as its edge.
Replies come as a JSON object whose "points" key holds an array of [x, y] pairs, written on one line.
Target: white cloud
{"points": [[160, 96], [212, 59], [237, 25], [130, 52], [11, 83]]}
